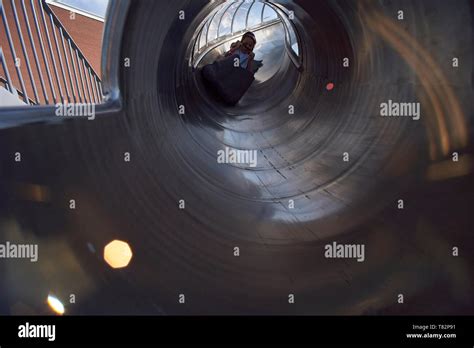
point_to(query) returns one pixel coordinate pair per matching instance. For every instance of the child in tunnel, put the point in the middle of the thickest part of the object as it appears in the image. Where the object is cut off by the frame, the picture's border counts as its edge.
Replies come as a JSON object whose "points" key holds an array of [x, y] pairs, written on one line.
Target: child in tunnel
{"points": [[244, 49], [228, 81]]}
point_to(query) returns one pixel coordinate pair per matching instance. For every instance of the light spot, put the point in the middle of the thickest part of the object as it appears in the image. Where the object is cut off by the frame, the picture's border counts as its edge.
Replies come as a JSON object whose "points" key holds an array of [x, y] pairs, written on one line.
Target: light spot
{"points": [[117, 254], [56, 305], [448, 169], [330, 86]]}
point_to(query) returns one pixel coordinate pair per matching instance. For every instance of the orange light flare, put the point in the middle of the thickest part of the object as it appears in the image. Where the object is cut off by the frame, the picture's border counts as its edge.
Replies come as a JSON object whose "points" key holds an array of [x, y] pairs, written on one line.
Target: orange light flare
{"points": [[449, 169], [446, 123], [118, 254]]}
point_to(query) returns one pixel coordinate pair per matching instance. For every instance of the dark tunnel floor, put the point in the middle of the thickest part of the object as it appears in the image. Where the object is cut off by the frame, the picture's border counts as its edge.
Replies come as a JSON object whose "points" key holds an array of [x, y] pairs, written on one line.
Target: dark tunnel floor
{"points": [[300, 158]]}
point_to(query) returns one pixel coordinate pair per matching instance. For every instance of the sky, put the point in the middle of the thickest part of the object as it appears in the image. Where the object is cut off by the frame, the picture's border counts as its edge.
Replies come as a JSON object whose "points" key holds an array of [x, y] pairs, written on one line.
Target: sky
{"points": [[97, 7]]}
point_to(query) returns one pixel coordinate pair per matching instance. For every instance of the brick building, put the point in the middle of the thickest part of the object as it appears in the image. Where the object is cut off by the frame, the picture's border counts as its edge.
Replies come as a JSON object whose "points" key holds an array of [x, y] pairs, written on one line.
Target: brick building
{"points": [[53, 19]]}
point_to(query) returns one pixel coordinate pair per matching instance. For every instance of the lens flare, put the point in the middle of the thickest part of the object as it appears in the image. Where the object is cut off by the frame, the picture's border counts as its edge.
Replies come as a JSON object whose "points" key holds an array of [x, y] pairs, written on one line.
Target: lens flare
{"points": [[56, 305], [117, 254]]}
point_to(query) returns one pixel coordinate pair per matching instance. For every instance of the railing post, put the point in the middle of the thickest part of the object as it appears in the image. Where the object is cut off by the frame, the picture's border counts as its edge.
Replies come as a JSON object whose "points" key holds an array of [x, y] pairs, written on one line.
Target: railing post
{"points": [[84, 72], [13, 52], [53, 27], [81, 73], [74, 69], [10, 86], [68, 65], [41, 4], [33, 46], [94, 92], [45, 58], [25, 52]]}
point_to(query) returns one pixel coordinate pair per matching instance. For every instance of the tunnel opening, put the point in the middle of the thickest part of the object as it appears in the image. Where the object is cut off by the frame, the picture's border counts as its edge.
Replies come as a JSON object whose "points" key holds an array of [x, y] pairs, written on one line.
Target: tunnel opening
{"points": [[277, 53], [288, 143], [299, 153], [302, 193]]}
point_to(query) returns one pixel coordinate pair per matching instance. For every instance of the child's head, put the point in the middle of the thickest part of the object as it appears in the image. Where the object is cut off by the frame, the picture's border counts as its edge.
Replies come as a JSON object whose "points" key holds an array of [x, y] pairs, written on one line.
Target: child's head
{"points": [[248, 42]]}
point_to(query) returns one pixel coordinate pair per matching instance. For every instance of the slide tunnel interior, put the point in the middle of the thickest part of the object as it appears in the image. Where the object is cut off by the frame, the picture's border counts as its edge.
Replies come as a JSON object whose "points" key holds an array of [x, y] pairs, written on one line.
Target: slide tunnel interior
{"points": [[239, 239]]}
